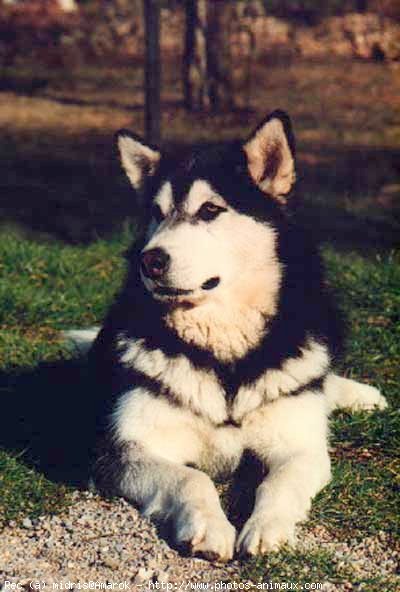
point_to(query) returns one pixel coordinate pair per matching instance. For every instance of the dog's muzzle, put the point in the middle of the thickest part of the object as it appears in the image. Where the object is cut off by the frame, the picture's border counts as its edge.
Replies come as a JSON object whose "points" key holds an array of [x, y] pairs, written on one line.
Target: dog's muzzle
{"points": [[154, 265]]}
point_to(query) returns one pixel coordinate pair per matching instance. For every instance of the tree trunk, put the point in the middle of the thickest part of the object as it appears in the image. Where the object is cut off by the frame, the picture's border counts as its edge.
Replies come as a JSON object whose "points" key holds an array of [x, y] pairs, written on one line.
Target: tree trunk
{"points": [[207, 60], [153, 71]]}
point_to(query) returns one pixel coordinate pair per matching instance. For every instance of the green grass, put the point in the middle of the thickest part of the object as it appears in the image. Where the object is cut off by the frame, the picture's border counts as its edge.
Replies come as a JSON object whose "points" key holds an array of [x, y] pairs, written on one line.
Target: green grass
{"points": [[45, 287], [25, 492]]}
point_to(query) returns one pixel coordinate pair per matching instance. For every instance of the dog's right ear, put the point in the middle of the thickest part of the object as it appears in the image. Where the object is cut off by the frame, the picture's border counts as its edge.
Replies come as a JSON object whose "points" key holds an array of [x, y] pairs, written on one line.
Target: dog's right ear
{"points": [[139, 160]]}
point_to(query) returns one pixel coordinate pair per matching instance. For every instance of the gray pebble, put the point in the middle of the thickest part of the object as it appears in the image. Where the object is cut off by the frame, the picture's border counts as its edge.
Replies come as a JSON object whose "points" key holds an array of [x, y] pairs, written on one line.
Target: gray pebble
{"points": [[27, 523]]}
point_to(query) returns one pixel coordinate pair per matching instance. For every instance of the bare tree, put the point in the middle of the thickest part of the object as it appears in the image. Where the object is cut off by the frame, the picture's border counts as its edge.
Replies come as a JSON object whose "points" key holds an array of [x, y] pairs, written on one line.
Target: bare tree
{"points": [[153, 71], [206, 67]]}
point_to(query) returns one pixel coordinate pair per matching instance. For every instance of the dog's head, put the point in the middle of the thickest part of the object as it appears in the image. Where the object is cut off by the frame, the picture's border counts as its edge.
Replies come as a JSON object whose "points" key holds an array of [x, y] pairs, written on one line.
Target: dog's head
{"points": [[214, 218]]}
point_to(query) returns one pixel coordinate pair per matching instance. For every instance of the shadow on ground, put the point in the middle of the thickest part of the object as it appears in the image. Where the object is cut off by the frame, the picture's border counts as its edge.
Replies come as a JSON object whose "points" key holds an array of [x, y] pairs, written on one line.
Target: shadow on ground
{"points": [[49, 420], [352, 195], [78, 193]]}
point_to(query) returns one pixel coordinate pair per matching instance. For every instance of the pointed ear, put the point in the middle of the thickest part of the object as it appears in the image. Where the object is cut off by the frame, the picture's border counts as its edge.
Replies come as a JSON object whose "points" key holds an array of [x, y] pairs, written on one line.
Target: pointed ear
{"points": [[139, 160], [270, 152]]}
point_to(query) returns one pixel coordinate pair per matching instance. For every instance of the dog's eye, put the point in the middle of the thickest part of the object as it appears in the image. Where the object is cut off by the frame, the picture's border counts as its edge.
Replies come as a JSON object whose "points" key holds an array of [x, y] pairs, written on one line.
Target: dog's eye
{"points": [[209, 211], [156, 213]]}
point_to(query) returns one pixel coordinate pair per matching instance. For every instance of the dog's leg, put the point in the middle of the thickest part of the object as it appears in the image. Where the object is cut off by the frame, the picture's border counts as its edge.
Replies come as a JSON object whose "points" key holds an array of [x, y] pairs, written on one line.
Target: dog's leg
{"points": [[172, 491], [154, 447], [290, 436], [346, 393]]}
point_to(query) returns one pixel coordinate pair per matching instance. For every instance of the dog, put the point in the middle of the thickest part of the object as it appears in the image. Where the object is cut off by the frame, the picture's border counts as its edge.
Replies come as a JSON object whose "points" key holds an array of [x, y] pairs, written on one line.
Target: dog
{"points": [[220, 343]]}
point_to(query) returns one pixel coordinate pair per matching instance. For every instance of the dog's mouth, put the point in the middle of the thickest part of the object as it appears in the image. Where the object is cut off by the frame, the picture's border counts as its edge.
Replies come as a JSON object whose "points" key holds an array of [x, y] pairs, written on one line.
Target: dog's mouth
{"points": [[181, 294], [210, 284], [166, 291]]}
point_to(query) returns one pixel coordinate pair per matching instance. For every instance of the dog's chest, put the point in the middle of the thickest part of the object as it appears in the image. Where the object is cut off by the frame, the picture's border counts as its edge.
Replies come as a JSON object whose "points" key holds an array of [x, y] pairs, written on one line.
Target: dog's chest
{"points": [[201, 390]]}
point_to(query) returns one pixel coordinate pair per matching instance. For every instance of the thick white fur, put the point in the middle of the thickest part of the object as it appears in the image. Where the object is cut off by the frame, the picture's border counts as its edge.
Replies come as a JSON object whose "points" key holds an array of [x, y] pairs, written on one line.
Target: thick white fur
{"points": [[199, 390], [164, 198], [344, 393], [312, 362], [289, 435], [340, 392]]}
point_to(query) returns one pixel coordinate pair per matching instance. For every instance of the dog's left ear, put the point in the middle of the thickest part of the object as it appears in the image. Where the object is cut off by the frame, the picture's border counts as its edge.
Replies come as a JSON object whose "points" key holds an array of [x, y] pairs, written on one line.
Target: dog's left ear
{"points": [[270, 152]]}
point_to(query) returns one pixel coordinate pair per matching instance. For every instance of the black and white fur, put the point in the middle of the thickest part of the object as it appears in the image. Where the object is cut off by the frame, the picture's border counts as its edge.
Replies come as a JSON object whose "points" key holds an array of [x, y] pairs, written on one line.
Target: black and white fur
{"points": [[227, 348]]}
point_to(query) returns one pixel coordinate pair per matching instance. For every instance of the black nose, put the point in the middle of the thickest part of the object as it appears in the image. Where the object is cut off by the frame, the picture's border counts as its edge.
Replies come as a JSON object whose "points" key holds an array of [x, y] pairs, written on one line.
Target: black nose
{"points": [[155, 263]]}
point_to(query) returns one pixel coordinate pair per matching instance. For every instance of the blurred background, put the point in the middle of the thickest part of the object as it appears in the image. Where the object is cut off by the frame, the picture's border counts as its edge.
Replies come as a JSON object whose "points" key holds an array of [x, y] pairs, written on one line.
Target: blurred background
{"points": [[73, 72]]}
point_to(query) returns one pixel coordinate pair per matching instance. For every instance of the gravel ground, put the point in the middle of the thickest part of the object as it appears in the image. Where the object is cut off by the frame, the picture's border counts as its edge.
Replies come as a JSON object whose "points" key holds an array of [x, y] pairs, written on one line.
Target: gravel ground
{"points": [[97, 540], [372, 557]]}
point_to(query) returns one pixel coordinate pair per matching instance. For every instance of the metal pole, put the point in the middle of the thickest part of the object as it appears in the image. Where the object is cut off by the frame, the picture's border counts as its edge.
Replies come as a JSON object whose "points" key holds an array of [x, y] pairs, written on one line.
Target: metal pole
{"points": [[152, 71]]}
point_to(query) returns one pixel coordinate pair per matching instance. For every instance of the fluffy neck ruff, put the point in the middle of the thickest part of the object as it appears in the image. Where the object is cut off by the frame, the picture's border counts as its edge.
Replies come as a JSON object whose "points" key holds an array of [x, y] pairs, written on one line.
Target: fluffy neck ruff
{"points": [[228, 336], [230, 327]]}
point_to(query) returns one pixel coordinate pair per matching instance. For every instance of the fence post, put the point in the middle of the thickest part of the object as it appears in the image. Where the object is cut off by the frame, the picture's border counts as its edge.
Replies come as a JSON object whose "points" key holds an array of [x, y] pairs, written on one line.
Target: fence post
{"points": [[152, 71]]}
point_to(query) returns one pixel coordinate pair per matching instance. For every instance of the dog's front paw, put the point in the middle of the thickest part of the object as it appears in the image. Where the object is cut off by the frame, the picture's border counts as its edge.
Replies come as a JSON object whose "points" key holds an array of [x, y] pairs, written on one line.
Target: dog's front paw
{"points": [[364, 397], [259, 535], [208, 534], [371, 399]]}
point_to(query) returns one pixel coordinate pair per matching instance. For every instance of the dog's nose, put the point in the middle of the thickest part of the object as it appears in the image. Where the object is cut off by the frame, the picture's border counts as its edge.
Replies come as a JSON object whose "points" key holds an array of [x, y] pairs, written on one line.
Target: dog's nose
{"points": [[155, 263]]}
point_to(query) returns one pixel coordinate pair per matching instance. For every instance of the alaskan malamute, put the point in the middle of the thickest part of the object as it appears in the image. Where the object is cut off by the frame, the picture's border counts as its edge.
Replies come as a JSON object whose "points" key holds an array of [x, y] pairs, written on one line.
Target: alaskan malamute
{"points": [[220, 343]]}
